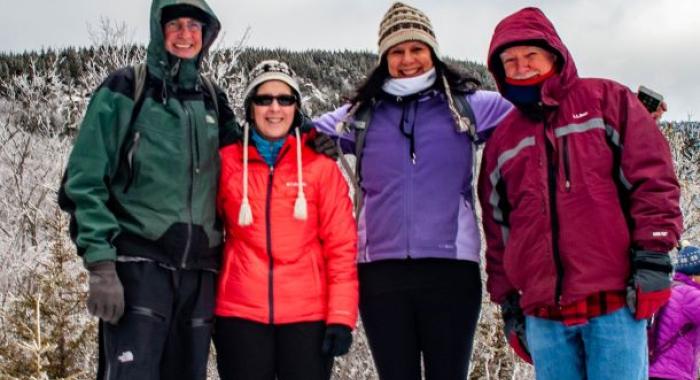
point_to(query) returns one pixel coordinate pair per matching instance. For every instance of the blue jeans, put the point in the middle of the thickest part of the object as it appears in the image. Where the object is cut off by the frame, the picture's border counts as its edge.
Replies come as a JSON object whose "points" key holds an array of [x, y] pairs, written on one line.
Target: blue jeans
{"points": [[612, 346]]}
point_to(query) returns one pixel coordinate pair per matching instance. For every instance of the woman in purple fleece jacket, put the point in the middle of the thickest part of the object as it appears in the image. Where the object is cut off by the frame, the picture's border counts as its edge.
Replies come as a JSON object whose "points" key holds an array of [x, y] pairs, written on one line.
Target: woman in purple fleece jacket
{"points": [[677, 346], [420, 287]]}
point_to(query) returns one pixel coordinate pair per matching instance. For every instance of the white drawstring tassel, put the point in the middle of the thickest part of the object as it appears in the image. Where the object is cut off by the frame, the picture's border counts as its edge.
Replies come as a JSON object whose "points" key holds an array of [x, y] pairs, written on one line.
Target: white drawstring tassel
{"points": [[245, 215], [300, 204]]}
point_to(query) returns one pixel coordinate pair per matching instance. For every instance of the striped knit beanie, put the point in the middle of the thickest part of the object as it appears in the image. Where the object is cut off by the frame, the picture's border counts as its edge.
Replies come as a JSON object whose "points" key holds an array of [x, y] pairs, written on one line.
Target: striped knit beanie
{"points": [[265, 71], [403, 23]]}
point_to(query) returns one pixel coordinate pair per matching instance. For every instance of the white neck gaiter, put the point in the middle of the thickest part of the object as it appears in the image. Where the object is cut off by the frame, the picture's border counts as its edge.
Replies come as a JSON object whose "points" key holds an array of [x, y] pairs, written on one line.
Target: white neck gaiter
{"points": [[410, 86]]}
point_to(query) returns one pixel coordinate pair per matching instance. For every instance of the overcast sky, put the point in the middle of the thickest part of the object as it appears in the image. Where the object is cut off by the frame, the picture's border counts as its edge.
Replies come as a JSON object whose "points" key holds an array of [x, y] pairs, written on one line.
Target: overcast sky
{"points": [[650, 42]]}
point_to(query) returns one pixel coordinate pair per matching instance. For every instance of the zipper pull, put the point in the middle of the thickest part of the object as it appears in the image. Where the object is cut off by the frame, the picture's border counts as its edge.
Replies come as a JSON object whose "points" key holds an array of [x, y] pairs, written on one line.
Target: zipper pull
{"points": [[413, 158], [567, 185]]}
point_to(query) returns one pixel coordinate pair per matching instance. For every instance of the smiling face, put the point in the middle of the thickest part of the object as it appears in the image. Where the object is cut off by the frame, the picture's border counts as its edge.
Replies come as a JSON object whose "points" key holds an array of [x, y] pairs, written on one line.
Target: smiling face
{"points": [[273, 121], [183, 37], [525, 62], [409, 59]]}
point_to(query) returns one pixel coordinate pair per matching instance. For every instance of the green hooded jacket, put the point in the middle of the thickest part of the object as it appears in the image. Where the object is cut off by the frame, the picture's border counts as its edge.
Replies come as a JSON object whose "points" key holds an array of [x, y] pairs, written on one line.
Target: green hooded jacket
{"points": [[148, 190]]}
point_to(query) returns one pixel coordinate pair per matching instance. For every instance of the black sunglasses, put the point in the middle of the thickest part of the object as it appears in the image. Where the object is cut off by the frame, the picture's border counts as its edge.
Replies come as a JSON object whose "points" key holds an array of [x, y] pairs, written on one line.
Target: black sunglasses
{"points": [[266, 100]]}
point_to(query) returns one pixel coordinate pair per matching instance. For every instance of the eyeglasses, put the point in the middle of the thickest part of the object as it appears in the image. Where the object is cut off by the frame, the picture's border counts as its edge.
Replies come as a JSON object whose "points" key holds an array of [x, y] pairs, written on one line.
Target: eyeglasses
{"points": [[266, 100], [191, 26]]}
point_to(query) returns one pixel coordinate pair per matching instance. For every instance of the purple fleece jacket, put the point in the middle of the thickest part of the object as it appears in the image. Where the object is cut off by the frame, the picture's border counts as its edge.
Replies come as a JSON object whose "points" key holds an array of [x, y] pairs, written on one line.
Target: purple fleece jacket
{"points": [[679, 361], [422, 207]]}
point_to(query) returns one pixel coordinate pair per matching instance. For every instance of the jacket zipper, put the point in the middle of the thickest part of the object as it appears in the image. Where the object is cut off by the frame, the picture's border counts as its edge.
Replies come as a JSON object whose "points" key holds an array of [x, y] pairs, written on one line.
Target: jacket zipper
{"points": [[268, 225], [552, 184], [567, 169], [409, 169], [193, 168]]}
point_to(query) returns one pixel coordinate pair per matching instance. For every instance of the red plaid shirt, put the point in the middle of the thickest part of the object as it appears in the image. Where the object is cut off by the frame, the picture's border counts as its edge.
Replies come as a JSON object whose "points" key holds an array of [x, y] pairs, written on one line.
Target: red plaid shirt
{"points": [[580, 312]]}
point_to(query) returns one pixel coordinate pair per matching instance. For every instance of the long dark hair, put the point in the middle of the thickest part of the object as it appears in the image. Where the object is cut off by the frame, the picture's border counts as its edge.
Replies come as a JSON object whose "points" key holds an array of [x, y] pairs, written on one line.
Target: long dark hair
{"points": [[371, 88]]}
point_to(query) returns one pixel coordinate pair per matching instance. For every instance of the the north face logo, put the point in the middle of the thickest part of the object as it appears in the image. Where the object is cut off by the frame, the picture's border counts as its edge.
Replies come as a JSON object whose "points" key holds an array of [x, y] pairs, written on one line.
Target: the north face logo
{"points": [[126, 357]]}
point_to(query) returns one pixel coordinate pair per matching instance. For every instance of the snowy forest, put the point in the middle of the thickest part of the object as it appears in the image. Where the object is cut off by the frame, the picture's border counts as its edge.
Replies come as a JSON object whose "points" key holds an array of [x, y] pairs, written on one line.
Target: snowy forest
{"points": [[46, 331]]}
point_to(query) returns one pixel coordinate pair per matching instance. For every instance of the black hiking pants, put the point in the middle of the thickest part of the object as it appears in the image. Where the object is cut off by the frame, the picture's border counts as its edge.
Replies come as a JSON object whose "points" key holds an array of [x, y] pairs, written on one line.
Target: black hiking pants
{"points": [[247, 350], [166, 328], [420, 307]]}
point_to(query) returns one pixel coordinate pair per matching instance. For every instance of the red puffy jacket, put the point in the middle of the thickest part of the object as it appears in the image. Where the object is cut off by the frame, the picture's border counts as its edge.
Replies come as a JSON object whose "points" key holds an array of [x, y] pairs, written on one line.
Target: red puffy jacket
{"points": [[280, 269], [566, 195]]}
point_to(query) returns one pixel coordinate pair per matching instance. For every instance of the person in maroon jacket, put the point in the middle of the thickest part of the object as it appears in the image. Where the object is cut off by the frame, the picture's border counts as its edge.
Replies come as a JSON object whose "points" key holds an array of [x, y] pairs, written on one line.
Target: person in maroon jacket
{"points": [[580, 208]]}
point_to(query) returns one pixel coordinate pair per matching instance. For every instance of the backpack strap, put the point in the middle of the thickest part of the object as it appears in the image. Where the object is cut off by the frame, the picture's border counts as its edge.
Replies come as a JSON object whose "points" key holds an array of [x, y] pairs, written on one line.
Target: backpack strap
{"points": [[140, 75], [209, 86], [363, 118], [465, 111]]}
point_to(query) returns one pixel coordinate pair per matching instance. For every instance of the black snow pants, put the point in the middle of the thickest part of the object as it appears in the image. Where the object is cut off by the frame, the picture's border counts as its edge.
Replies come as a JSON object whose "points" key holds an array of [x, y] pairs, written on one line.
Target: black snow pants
{"points": [[166, 328], [247, 350], [420, 308]]}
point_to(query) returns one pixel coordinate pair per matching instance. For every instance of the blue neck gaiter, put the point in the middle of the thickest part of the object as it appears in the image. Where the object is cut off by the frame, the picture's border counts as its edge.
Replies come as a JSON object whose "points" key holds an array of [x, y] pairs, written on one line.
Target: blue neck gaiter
{"points": [[267, 149], [525, 95]]}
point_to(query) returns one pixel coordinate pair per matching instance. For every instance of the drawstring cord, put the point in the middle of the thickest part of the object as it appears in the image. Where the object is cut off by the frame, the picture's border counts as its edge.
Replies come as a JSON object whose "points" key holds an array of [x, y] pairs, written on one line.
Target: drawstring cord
{"points": [[300, 209], [245, 215]]}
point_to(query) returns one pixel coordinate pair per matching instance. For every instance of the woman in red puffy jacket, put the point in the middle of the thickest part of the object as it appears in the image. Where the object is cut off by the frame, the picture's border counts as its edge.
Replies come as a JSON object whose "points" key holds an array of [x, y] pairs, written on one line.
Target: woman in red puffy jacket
{"points": [[287, 295]]}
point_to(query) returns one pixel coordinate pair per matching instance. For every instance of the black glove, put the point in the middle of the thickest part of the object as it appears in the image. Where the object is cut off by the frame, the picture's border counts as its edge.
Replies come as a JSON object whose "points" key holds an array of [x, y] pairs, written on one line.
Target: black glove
{"points": [[650, 285], [337, 340], [514, 326], [324, 144], [106, 295]]}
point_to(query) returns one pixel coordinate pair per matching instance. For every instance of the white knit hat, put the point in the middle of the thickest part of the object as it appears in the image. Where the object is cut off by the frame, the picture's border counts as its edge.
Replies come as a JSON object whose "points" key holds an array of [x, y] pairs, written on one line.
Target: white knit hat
{"points": [[265, 71], [261, 73], [403, 23]]}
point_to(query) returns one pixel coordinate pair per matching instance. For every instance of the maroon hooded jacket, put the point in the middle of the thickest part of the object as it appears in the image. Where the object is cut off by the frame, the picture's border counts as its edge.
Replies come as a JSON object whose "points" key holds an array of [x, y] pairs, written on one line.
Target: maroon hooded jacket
{"points": [[567, 194]]}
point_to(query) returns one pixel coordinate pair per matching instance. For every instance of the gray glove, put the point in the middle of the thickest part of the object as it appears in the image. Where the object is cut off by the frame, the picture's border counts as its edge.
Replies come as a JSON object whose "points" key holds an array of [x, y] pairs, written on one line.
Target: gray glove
{"points": [[106, 294], [514, 326], [649, 288], [324, 144]]}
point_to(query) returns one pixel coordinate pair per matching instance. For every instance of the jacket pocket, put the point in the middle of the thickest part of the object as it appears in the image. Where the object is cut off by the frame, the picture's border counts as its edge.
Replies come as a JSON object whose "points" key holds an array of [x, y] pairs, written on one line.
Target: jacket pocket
{"points": [[316, 271]]}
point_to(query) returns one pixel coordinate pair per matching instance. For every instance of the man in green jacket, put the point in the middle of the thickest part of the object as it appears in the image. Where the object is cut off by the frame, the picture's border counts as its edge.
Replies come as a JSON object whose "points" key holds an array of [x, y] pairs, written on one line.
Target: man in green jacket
{"points": [[141, 186]]}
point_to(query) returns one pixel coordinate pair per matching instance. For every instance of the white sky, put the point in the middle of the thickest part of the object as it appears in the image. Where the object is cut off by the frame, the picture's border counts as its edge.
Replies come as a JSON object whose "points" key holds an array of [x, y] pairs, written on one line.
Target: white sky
{"points": [[650, 42]]}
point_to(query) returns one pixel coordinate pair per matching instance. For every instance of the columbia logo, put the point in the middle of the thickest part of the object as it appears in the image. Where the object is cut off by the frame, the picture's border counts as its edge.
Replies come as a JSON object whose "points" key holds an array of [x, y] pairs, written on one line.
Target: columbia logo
{"points": [[294, 184], [659, 234], [580, 115], [210, 119], [126, 357]]}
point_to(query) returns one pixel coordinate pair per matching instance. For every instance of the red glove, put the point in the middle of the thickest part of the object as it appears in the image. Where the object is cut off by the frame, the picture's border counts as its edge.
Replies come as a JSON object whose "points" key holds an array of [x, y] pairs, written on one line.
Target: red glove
{"points": [[650, 285], [514, 326]]}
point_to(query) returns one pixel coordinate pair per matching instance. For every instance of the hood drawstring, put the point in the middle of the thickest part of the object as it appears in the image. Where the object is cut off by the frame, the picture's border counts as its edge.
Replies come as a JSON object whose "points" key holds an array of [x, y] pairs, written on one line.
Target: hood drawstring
{"points": [[245, 214], [300, 204], [164, 93]]}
